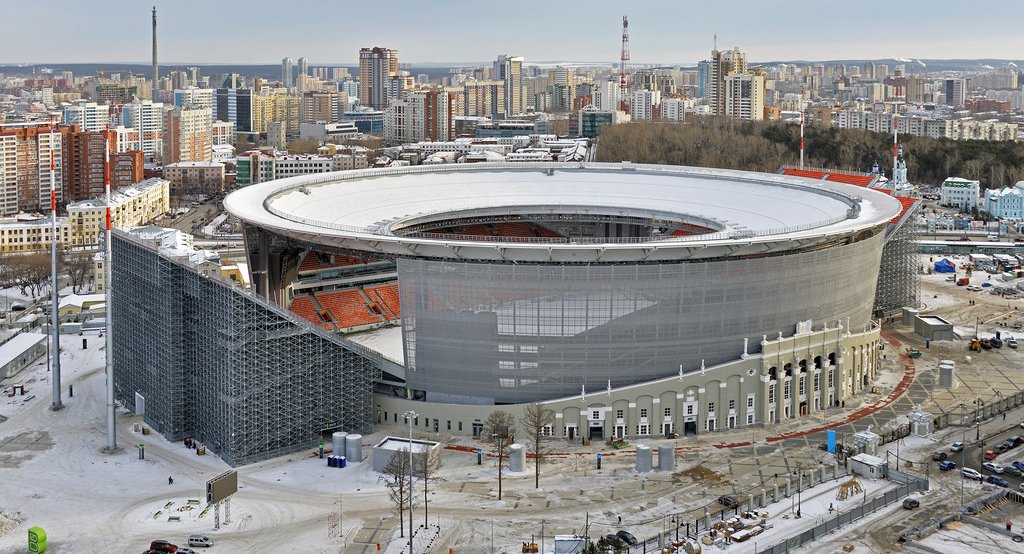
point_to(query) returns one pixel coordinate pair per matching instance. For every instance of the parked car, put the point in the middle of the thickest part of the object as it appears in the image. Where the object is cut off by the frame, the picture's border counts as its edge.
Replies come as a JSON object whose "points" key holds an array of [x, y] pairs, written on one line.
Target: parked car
{"points": [[911, 503], [1018, 464], [728, 501], [1015, 441], [161, 545], [1000, 448], [990, 454], [993, 467], [996, 343], [199, 540], [1012, 343], [1020, 487], [627, 538], [951, 279], [185, 550], [947, 465], [986, 344], [1010, 470], [956, 446], [938, 456], [972, 474], [998, 481]]}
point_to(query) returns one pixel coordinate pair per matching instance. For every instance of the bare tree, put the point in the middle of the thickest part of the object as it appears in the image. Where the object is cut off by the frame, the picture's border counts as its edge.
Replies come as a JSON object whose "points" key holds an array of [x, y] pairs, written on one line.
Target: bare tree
{"points": [[535, 421], [78, 266], [427, 467], [30, 271], [499, 430], [395, 477]]}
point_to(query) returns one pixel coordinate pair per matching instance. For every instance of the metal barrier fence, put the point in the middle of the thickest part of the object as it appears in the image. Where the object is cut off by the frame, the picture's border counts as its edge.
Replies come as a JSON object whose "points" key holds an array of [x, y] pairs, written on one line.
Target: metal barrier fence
{"points": [[914, 484], [684, 526]]}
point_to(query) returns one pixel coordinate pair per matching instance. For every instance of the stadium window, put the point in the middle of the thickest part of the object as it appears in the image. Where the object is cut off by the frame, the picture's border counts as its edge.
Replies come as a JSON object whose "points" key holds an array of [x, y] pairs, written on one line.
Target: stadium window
{"points": [[668, 412], [732, 405], [460, 426], [643, 412], [750, 400], [711, 407], [449, 425], [619, 414]]}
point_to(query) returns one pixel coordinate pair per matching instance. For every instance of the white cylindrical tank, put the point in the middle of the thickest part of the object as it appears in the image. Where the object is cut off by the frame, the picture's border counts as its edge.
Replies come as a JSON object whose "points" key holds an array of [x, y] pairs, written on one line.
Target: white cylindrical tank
{"points": [[666, 457], [643, 458], [516, 457], [338, 443], [354, 448]]}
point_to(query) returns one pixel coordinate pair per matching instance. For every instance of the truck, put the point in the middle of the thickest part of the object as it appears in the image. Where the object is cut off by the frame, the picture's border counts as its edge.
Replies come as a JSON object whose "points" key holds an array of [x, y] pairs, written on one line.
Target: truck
{"points": [[962, 281]]}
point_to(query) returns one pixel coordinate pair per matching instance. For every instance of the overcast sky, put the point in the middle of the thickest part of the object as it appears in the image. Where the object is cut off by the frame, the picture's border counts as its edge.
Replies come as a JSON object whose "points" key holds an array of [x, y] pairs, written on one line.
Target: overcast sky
{"points": [[668, 31]]}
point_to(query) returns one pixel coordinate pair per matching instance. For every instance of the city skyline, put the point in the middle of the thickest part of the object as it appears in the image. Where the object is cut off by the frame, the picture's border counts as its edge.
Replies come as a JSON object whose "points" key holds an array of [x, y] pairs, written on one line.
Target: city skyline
{"points": [[659, 33]]}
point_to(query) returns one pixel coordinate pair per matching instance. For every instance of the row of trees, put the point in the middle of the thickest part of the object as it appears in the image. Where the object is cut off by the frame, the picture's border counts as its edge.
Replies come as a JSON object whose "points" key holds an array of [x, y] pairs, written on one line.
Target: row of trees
{"points": [[403, 474], [765, 146], [30, 272]]}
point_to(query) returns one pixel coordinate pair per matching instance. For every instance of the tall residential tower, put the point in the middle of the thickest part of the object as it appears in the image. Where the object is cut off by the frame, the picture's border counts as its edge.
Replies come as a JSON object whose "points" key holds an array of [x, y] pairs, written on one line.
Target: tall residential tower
{"points": [[376, 68]]}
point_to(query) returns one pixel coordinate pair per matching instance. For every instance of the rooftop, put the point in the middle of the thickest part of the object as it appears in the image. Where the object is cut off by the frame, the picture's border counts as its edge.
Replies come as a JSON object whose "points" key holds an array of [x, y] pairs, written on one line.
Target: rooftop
{"points": [[119, 196]]}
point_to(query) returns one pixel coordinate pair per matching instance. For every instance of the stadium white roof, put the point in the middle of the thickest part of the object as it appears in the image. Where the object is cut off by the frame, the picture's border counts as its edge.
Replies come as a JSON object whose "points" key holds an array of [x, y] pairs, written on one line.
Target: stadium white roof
{"points": [[361, 209]]}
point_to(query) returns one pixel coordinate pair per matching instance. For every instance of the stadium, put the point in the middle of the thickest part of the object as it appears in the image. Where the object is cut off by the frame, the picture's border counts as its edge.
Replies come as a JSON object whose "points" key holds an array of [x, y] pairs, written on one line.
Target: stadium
{"points": [[631, 299]]}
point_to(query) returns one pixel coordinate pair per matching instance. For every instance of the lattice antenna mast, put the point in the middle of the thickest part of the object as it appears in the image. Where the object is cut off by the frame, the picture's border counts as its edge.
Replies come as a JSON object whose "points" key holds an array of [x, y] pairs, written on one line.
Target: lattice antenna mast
{"points": [[623, 58]]}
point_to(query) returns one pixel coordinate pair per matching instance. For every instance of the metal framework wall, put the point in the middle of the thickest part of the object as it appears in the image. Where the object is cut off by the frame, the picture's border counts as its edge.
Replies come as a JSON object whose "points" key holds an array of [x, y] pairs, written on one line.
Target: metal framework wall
{"points": [[217, 363], [898, 281]]}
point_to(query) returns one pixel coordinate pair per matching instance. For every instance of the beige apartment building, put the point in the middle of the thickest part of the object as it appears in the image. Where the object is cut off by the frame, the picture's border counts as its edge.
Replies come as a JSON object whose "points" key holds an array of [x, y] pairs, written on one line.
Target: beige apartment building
{"points": [[131, 206]]}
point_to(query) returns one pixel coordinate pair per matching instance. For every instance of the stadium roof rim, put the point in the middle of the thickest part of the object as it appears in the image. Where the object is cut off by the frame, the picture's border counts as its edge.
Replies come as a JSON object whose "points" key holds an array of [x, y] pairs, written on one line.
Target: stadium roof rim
{"points": [[756, 213]]}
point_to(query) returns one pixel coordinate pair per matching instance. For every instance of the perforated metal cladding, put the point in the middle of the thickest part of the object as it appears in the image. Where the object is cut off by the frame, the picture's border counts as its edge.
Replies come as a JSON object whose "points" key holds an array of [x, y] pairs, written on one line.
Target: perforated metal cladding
{"points": [[479, 332], [216, 363]]}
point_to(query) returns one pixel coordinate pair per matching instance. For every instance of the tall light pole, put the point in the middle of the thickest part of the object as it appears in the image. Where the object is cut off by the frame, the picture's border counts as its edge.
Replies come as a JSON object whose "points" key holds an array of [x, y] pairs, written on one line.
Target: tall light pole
{"points": [[408, 416], [54, 289], [963, 451], [108, 287], [978, 403]]}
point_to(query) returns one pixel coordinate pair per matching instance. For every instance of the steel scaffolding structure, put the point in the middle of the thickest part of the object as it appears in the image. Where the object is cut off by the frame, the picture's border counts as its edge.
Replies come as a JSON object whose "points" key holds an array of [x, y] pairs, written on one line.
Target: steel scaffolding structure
{"points": [[213, 362], [898, 280]]}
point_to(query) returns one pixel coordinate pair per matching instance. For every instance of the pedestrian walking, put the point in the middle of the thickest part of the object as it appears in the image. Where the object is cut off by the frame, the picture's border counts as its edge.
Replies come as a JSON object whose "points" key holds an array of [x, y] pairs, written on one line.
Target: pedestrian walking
{"points": [[170, 480]]}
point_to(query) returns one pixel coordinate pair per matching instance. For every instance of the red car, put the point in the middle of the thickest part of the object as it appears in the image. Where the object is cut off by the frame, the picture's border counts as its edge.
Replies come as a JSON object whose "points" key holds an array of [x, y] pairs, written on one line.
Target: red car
{"points": [[163, 546]]}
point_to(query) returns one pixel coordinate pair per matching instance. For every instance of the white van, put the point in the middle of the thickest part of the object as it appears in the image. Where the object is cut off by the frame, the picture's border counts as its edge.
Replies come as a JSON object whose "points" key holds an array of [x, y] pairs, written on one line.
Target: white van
{"points": [[199, 540], [993, 238]]}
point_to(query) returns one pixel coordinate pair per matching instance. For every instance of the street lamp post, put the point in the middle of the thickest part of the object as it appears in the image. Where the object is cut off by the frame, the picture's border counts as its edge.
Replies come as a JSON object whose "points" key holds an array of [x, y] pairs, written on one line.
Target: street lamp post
{"points": [[963, 452], [978, 403], [408, 416]]}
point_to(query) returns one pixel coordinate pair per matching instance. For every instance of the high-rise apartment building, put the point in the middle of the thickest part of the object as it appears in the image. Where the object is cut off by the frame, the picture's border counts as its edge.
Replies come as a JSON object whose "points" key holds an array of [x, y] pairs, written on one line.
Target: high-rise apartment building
{"points": [[188, 135], [25, 151], [509, 69], [286, 73], [915, 89], [376, 68], [326, 106], [427, 115], [744, 96], [484, 98], [194, 96], [607, 95], [723, 62], [644, 105], [275, 105], [956, 92], [147, 118], [89, 116], [303, 67]]}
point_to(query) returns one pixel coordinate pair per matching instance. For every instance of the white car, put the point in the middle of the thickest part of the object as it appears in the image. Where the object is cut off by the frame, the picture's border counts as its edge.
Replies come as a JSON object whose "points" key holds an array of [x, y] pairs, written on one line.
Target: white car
{"points": [[972, 474], [199, 540], [993, 467]]}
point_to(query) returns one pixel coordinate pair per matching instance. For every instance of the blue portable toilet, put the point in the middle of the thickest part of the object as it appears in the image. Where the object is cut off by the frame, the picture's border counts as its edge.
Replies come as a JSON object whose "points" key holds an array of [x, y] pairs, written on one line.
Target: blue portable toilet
{"points": [[341, 461]]}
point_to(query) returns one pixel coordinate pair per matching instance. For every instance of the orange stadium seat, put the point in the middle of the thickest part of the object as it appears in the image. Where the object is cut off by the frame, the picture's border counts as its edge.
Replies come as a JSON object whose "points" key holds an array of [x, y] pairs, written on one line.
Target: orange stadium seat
{"points": [[348, 308], [809, 173]]}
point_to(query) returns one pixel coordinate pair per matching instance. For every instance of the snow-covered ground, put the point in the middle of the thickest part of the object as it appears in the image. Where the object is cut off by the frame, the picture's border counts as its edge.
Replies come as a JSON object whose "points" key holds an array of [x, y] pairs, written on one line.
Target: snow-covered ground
{"points": [[964, 538]]}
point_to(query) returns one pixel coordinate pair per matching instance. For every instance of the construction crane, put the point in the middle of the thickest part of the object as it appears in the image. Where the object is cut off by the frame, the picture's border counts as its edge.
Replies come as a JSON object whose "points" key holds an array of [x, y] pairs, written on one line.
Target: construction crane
{"points": [[623, 75]]}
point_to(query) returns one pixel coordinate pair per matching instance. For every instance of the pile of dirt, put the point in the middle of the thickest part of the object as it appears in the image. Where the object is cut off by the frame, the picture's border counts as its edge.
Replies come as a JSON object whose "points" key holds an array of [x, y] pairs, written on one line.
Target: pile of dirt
{"points": [[703, 475]]}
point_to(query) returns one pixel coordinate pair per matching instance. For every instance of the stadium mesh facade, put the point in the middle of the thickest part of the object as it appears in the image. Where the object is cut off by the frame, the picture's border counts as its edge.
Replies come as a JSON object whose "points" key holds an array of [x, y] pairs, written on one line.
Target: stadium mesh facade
{"points": [[217, 363], [478, 332]]}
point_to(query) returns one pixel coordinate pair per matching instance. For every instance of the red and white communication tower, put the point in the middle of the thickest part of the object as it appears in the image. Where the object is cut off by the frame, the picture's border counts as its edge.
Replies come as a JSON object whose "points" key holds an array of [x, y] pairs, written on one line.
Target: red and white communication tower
{"points": [[623, 75]]}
